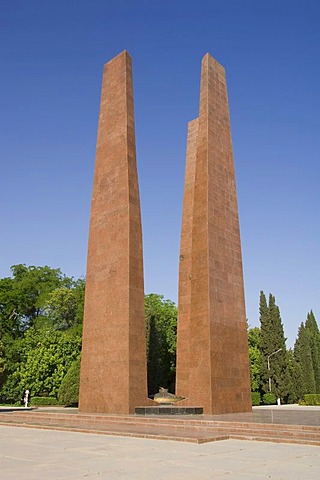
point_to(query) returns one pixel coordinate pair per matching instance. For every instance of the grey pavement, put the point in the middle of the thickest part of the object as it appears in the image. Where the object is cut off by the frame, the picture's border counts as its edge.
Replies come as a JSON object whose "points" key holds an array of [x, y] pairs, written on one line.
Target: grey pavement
{"points": [[32, 454]]}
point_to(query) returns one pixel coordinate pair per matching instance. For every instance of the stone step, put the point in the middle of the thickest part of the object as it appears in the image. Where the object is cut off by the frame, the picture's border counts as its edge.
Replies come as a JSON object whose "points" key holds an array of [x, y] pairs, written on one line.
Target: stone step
{"points": [[184, 435], [164, 428], [204, 423]]}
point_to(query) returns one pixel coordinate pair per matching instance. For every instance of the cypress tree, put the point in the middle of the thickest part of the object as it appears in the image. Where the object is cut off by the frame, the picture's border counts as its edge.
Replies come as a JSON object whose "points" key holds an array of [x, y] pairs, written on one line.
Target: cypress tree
{"points": [[303, 356], [273, 347], [264, 342], [296, 385], [278, 366], [313, 335]]}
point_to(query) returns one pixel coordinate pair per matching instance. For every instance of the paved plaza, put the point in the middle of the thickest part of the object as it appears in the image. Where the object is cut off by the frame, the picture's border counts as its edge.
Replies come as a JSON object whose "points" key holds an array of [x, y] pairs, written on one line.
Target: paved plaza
{"points": [[33, 454], [36, 453]]}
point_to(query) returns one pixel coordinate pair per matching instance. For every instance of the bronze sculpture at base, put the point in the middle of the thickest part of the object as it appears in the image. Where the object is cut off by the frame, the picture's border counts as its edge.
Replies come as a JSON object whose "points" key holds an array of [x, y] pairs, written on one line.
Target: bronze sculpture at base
{"points": [[166, 398]]}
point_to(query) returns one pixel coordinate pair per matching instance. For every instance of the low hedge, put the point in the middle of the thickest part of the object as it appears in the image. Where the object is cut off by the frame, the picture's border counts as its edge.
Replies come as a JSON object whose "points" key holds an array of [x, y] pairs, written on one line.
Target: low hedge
{"points": [[256, 398], [312, 399], [43, 401], [269, 399]]}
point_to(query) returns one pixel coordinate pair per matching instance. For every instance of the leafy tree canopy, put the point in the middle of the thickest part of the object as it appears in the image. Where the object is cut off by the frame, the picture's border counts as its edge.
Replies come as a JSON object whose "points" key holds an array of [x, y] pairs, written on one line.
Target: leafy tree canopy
{"points": [[43, 356], [23, 296], [69, 389], [64, 306], [161, 327]]}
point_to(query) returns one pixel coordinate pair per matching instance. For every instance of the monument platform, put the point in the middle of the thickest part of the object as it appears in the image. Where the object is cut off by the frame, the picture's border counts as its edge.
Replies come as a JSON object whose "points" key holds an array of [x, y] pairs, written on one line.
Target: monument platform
{"points": [[279, 424], [168, 410]]}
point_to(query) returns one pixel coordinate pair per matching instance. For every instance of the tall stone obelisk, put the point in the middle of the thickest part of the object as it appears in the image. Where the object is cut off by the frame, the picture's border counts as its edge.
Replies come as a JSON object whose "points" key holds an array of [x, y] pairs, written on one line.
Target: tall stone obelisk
{"points": [[212, 353], [113, 365]]}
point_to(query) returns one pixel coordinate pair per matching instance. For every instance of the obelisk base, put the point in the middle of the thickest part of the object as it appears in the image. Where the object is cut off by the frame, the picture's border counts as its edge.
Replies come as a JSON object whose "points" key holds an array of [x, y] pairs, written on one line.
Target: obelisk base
{"points": [[168, 410]]}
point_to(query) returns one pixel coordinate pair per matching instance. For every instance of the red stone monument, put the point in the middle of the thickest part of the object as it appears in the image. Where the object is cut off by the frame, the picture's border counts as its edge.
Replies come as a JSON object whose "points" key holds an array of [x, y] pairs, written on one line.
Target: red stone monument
{"points": [[212, 352], [113, 366]]}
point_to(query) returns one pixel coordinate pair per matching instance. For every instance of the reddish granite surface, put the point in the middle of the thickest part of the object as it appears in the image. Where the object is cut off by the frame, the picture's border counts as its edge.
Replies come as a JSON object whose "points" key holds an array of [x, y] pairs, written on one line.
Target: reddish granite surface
{"points": [[264, 424], [113, 368], [212, 353]]}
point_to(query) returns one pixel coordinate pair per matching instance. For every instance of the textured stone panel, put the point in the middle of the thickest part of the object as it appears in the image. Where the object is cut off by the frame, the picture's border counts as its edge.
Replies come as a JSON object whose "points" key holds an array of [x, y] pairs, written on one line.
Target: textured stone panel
{"points": [[213, 368], [183, 337], [168, 410], [113, 365]]}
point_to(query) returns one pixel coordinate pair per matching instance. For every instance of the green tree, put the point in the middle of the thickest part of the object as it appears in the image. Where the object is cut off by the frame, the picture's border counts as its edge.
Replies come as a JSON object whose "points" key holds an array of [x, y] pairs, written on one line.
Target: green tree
{"points": [[69, 389], [43, 356], [303, 357], [2, 364], [274, 365], [9, 316], [79, 292], [11, 361], [23, 296], [255, 358], [161, 329], [265, 342], [296, 390], [313, 334], [62, 308], [278, 364]]}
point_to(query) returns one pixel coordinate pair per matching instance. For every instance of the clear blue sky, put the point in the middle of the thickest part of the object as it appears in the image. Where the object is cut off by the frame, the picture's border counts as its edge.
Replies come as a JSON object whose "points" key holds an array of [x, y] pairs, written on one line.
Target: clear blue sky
{"points": [[51, 58]]}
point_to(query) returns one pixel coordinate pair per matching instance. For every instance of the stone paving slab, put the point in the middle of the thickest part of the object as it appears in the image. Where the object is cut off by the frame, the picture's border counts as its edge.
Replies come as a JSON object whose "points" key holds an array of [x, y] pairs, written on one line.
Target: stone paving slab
{"points": [[29, 454]]}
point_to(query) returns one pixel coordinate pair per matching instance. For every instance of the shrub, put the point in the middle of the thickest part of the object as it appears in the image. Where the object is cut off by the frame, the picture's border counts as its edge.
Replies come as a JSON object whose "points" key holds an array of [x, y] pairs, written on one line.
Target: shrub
{"points": [[255, 398], [43, 401], [269, 399], [312, 399], [69, 389]]}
